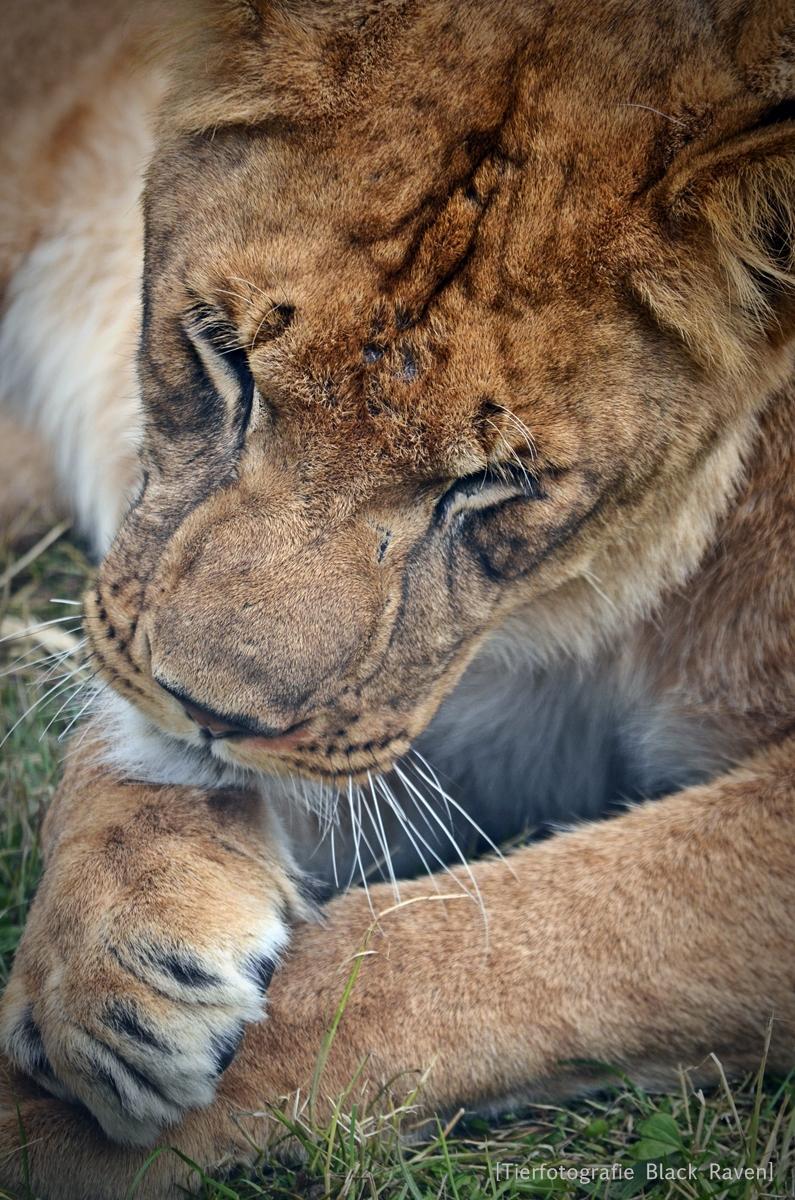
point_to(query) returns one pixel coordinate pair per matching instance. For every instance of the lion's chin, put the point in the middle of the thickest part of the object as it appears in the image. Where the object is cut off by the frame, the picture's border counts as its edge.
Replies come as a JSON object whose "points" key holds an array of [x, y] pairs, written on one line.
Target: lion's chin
{"points": [[138, 748], [286, 757]]}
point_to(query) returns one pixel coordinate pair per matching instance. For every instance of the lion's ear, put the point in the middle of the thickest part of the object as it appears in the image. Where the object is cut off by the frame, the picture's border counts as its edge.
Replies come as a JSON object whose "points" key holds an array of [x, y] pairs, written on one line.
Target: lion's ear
{"points": [[726, 206], [743, 191], [723, 277]]}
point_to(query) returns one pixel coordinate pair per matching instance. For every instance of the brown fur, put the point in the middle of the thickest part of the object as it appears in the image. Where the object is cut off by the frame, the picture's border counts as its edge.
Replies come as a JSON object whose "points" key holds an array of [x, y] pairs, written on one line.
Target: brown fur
{"points": [[451, 238], [445, 210]]}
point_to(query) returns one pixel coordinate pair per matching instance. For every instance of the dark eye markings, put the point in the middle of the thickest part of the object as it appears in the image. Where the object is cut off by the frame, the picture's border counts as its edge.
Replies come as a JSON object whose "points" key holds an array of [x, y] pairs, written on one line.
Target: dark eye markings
{"points": [[488, 490], [237, 361], [223, 359]]}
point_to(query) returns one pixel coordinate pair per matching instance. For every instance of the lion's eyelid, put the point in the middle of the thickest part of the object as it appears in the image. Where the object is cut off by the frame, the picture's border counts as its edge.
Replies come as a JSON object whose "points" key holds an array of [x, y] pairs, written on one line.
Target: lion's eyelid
{"points": [[226, 368], [488, 490]]}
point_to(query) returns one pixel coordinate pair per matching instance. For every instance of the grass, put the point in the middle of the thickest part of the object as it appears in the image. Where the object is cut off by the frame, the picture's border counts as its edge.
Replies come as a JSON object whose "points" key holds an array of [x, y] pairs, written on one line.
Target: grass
{"points": [[656, 1146]]}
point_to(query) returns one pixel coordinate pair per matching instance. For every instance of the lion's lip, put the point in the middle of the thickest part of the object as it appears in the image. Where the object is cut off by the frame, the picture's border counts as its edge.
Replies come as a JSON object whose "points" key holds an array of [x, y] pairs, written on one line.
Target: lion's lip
{"points": [[216, 726], [280, 741]]}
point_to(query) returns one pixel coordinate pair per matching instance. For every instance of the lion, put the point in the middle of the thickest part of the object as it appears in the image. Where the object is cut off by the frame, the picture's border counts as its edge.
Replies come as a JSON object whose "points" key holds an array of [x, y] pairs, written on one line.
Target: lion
{"points": [[433, 417]]}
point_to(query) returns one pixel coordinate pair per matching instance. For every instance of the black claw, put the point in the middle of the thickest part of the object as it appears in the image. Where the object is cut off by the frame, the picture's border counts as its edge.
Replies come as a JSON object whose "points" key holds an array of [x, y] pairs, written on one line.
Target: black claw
{"points": [[224, 1049], [261, 971]]}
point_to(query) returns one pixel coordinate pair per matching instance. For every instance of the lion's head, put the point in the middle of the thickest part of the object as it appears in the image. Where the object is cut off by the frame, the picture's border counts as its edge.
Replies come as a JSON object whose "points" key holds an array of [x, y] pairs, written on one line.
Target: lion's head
{"points": [[443, 302]]}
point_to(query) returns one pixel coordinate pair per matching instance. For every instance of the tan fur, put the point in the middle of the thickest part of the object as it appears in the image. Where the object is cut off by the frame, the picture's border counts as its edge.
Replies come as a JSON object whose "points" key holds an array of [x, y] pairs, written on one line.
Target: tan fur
{"points": [[28, 505], [554, 247]]}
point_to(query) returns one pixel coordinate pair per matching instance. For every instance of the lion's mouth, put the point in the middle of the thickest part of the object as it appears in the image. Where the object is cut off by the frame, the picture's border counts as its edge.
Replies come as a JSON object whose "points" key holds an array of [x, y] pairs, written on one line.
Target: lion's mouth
{"points": [[317, 759], [215, 727], [320, 748]]}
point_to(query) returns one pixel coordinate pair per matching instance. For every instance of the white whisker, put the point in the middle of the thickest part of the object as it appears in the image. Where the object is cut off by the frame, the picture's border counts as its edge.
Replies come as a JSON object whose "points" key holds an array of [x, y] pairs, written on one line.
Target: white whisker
{"points": [[521, 429], [378, 862], [73, 694], [54, 690], [461, 856], [19, 664], [78, 715], [412, 832], [32, 629], [435, 784], [467, 816], [61, 658], [77, 742], [356, 825], [248, 283], [380, 833], [334, 859]]}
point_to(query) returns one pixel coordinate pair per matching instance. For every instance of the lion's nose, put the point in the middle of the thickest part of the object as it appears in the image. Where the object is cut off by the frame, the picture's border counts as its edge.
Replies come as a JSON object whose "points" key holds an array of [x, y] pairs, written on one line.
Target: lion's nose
{"points": [[216, 725]]}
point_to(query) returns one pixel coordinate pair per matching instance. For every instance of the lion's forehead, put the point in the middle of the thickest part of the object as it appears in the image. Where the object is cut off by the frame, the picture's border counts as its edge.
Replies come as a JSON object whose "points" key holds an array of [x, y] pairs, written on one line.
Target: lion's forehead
{"points": [[485, 185], [465, 166], [412, 320]]}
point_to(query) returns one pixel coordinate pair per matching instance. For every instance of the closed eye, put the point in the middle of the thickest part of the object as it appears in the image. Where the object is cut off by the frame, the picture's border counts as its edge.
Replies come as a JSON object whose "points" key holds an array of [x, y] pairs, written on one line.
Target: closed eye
{"points": [[224, 360], [488, 489]]}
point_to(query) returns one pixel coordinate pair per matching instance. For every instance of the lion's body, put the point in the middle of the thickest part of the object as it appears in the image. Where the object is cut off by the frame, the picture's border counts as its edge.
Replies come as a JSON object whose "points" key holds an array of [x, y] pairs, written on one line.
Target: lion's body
{"points": [[72, 241], [529, 738], [632, 644]]}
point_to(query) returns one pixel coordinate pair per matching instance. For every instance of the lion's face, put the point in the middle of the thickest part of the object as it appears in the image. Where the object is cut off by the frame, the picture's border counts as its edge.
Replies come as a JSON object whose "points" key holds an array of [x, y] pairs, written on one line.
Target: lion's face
{"points": [[411, 357]]}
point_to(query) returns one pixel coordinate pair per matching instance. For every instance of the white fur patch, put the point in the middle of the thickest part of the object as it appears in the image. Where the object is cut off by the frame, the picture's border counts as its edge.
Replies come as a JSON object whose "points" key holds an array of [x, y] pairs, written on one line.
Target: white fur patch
{"points": [[72, 311], [138, 749]]}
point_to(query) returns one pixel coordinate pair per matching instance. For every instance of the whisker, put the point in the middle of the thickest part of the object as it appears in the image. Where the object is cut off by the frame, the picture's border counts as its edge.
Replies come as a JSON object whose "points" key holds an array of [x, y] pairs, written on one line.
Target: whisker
{"points": [[357, 853], [236, 295], [248, 283], [334, 859], [10, 637], [77, 742], [43, 638], [521, 429], [422, 799], [354, 832], [467, 816], [383, 838], [514, 457], [411, 832], [19, 663], [73, 694], [330, 803], [263, 319], [67, 675], [434, 782], [650, 108], [54, 690], [78, 715], [378, 861], [60, 659]]}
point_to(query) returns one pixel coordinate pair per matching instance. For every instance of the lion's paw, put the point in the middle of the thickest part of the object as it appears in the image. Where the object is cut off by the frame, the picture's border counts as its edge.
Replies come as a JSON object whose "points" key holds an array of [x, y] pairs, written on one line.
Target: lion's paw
{"points": [[140, 1025]]}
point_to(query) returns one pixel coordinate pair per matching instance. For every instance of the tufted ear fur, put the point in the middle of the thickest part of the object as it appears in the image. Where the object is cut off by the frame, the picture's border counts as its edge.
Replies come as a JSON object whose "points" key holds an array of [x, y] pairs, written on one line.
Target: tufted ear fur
{"points": [[727, 204]]}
